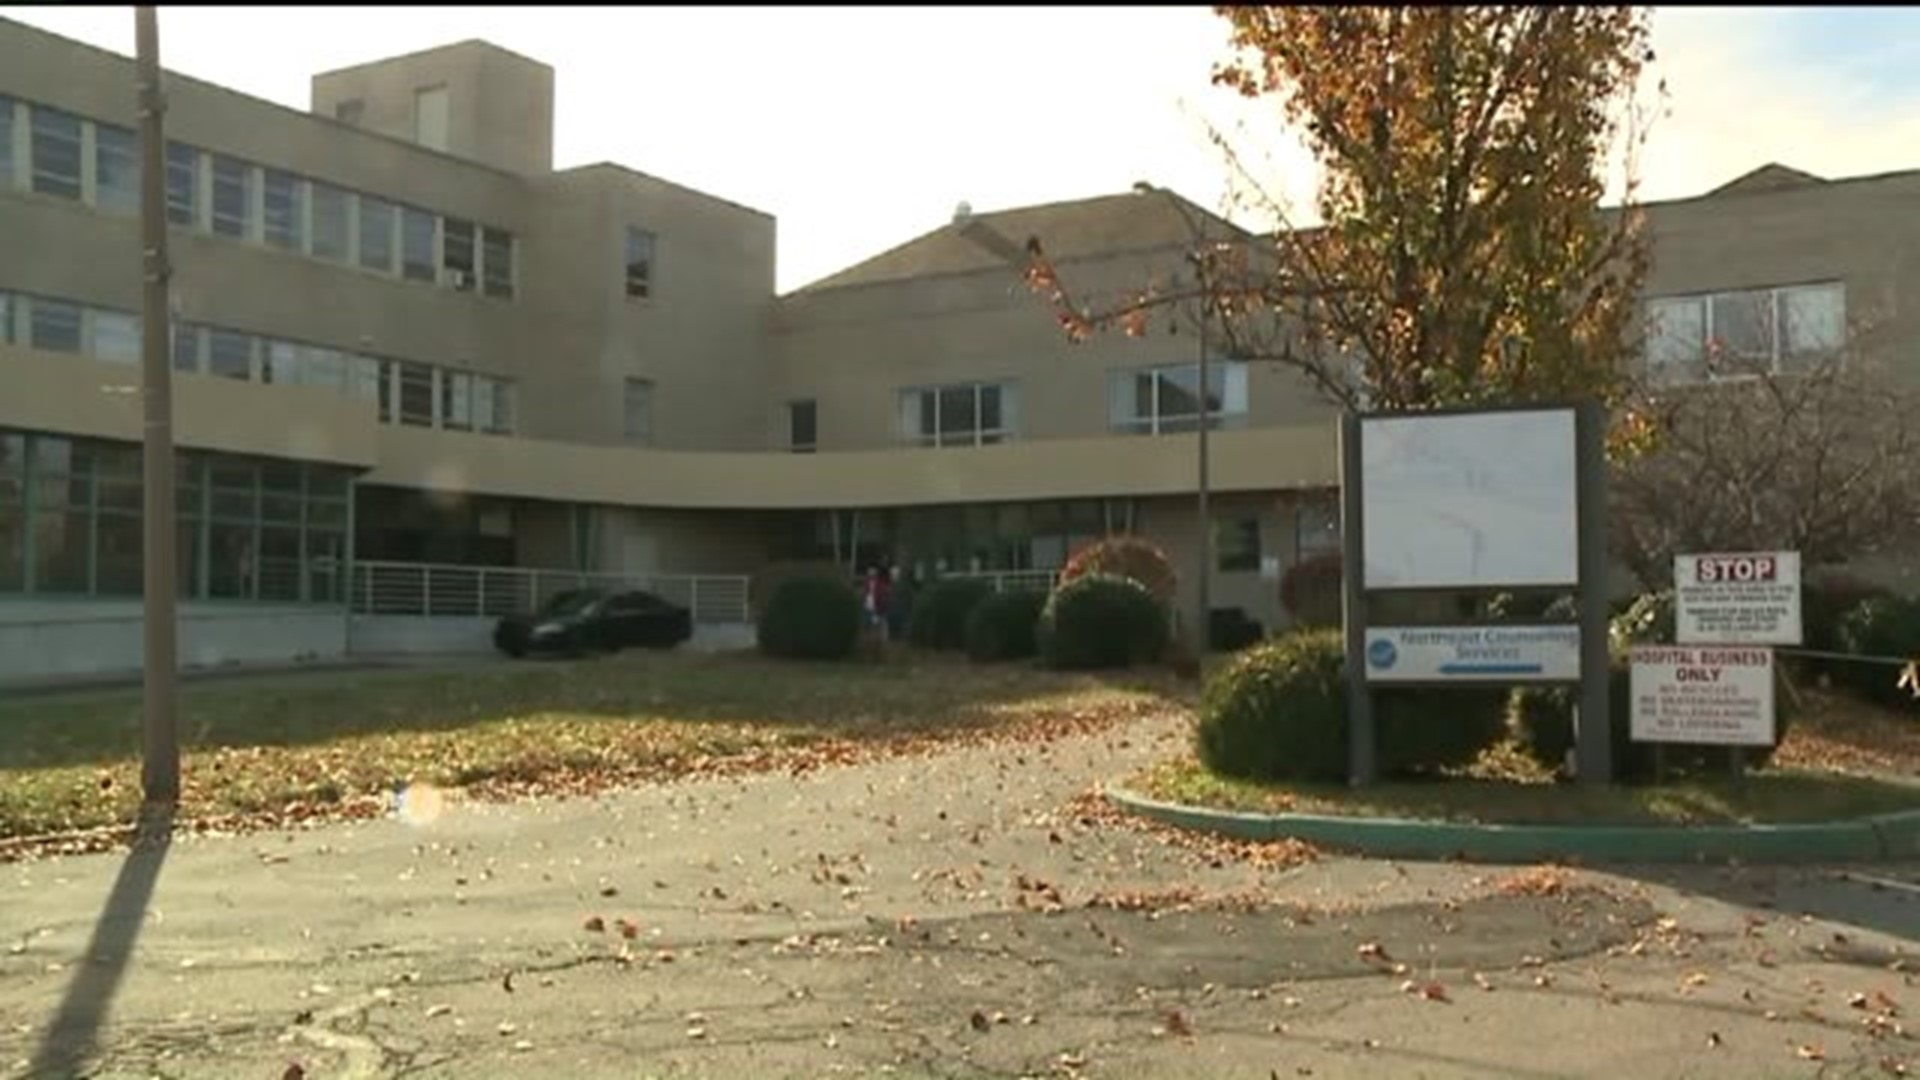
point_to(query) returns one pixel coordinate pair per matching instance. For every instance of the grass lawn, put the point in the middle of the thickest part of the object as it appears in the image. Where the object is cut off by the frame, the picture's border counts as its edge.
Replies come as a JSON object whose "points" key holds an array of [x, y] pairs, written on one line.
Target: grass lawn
{"points": [[269, 750], [1842, 758]]}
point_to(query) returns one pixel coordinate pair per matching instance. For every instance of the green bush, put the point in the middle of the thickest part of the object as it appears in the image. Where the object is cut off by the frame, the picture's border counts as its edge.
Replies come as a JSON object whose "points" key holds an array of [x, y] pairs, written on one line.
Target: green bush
{"points": [[1003, 626], [1882, 626], [811, 618], [940, 613], [1649, 620], [1423, 731], [1102, 621], [1278, 711], [1128, 557]]}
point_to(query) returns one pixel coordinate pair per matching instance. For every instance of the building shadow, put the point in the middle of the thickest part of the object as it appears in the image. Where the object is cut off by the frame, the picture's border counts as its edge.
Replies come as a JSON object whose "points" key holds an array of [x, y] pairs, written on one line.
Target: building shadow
{"points": [[74, 1033]]}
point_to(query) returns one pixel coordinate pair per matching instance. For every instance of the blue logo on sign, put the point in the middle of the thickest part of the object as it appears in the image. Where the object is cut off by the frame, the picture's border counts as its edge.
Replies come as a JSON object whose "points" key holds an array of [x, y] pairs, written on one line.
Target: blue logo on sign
{"points": [[1381, 653]]}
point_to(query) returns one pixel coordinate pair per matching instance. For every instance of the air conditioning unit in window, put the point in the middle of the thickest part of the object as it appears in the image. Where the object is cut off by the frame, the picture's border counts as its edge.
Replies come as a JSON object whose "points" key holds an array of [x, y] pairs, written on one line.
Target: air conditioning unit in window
{"points": [[459, 279]]}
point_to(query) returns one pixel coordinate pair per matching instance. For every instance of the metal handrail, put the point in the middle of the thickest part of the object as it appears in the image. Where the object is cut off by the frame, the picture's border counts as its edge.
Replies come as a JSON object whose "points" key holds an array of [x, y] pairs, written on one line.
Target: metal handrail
{"points": [[448, 590]]}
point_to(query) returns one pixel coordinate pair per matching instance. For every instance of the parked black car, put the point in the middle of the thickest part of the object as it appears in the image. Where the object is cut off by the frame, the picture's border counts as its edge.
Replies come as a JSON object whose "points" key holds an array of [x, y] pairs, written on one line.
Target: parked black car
{"points": [[594, 620]]}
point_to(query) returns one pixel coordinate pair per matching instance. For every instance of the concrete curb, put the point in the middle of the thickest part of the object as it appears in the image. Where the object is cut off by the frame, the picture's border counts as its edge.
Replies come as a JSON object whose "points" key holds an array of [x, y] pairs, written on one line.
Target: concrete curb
{"points": [[1884, 837]]}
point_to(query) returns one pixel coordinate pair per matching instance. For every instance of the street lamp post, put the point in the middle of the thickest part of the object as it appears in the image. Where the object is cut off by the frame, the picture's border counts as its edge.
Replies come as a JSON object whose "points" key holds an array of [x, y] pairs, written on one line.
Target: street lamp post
{"points": [[160, 773], [1203, 576]]}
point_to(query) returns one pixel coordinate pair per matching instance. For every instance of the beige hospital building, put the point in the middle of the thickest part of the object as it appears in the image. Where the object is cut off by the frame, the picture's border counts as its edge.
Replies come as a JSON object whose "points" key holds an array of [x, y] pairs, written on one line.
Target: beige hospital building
{"points": [[424, 378]]}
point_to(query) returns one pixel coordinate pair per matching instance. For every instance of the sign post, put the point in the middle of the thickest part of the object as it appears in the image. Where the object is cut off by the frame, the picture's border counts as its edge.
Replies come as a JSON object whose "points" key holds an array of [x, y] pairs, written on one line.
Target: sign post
{"points": [[1715, 686], [1475, 500]]}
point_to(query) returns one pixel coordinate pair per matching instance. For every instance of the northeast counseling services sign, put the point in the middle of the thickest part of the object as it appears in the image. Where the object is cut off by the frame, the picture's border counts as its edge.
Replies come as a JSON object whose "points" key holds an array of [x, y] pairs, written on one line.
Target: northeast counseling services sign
{"points": [[1464, 654]]}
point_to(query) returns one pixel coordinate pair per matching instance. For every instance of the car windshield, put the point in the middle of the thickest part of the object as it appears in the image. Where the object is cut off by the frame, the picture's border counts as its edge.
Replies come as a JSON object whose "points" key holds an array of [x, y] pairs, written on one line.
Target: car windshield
{"points": [[572, 602]]}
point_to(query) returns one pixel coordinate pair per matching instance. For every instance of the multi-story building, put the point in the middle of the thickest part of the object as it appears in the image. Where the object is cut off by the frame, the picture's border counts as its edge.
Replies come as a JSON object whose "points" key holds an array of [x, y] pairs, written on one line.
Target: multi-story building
{"points": [[403, 338]]}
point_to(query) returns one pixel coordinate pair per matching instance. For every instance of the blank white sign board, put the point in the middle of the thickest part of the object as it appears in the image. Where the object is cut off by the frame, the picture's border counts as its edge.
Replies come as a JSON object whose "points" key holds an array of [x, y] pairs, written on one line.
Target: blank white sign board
{"points": [[1470, 500]]}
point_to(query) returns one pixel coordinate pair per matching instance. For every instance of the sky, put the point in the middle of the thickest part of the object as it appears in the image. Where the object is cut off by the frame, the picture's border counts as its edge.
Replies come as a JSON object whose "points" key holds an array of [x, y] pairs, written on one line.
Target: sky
{"points": [[861, 128]]}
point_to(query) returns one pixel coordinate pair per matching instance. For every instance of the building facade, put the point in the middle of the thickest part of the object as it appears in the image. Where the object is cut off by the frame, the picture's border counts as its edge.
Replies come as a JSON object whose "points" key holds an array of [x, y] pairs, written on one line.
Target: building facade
{"points": [[402, 338]]}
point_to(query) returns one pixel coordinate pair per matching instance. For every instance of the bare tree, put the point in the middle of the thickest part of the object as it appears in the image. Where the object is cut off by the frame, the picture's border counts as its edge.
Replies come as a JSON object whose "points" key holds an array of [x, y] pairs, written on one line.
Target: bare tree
{"points": [[1819, 458]]}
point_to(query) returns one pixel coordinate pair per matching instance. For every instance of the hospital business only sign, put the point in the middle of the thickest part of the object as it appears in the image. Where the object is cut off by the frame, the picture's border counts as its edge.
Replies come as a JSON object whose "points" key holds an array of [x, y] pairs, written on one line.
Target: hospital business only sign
{"points": [[1466, 654]]}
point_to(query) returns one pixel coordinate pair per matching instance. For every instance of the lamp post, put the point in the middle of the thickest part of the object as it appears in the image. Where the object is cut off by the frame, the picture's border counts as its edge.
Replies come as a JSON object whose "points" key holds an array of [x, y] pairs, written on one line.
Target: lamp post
{"points": [[160, 760], [1203, 575]]}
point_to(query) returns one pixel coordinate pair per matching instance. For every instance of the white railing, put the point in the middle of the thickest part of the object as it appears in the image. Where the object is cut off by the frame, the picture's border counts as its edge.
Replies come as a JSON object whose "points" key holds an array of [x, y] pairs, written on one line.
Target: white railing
{"points": [[437, 589], [1012, 580]]}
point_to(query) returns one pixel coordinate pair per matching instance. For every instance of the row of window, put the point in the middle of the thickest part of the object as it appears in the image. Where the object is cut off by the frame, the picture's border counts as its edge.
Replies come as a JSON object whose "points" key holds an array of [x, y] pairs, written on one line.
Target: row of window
{"points": [[1142, 401], [416, 394], [249, 529], [52, 152], [1238, 541], [1744, 334]]}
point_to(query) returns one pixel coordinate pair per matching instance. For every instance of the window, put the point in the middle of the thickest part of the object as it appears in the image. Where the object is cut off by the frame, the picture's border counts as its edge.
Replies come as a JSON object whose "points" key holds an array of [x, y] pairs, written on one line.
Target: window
{"points": [[416, 394], [6, 143], [285, 216], [54, 326], [230, 354], [1316, 525], [376, 234], [802, 426], [1236, 544], [1733, 335], [1156, 401], [456, 253], [496, 262], [7, 331], [965, 414], [116, 336], [183, 184], [324, 367], [116, 169], [56, 152], [638, 410], [492, 405], [232, 196], [456, 400], [416, 244], [186, 347], [349, 111], [283, 363], [639, 262], [430, 117], [330, 222]]}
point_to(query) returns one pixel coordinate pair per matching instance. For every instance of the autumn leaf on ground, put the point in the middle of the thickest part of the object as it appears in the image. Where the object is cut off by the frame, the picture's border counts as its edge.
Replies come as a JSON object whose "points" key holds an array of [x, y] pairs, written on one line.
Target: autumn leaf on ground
{"points": [[1809, 1052], [1713, 1039], [506, 982], [979, 1021], [596, 925], [1482, 982], [1696, 979], [628, 928], [1372, 950]]}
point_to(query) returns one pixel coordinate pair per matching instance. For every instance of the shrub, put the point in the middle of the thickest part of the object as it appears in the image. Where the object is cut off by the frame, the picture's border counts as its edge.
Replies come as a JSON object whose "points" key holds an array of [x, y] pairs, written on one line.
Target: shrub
{"points": [[1102, 621], [1649, 620], [1278, 711], [1311, 591], [1883, 626], [1423, 731], [1002, 627], [1128, 557], [1232, 629], [811, 618], [939, 619]]}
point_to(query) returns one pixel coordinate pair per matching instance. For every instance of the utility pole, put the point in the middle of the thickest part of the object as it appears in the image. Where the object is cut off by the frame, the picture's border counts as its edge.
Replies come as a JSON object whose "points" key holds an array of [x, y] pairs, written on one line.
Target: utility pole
{"points": [[1203, 578], [160, 773], [1203, 624]]}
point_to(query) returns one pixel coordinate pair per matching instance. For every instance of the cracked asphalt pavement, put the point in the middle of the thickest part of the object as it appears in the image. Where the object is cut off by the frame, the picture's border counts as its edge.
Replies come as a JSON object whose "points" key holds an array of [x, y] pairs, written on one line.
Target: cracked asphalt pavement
{"points": [[953, 916]]}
